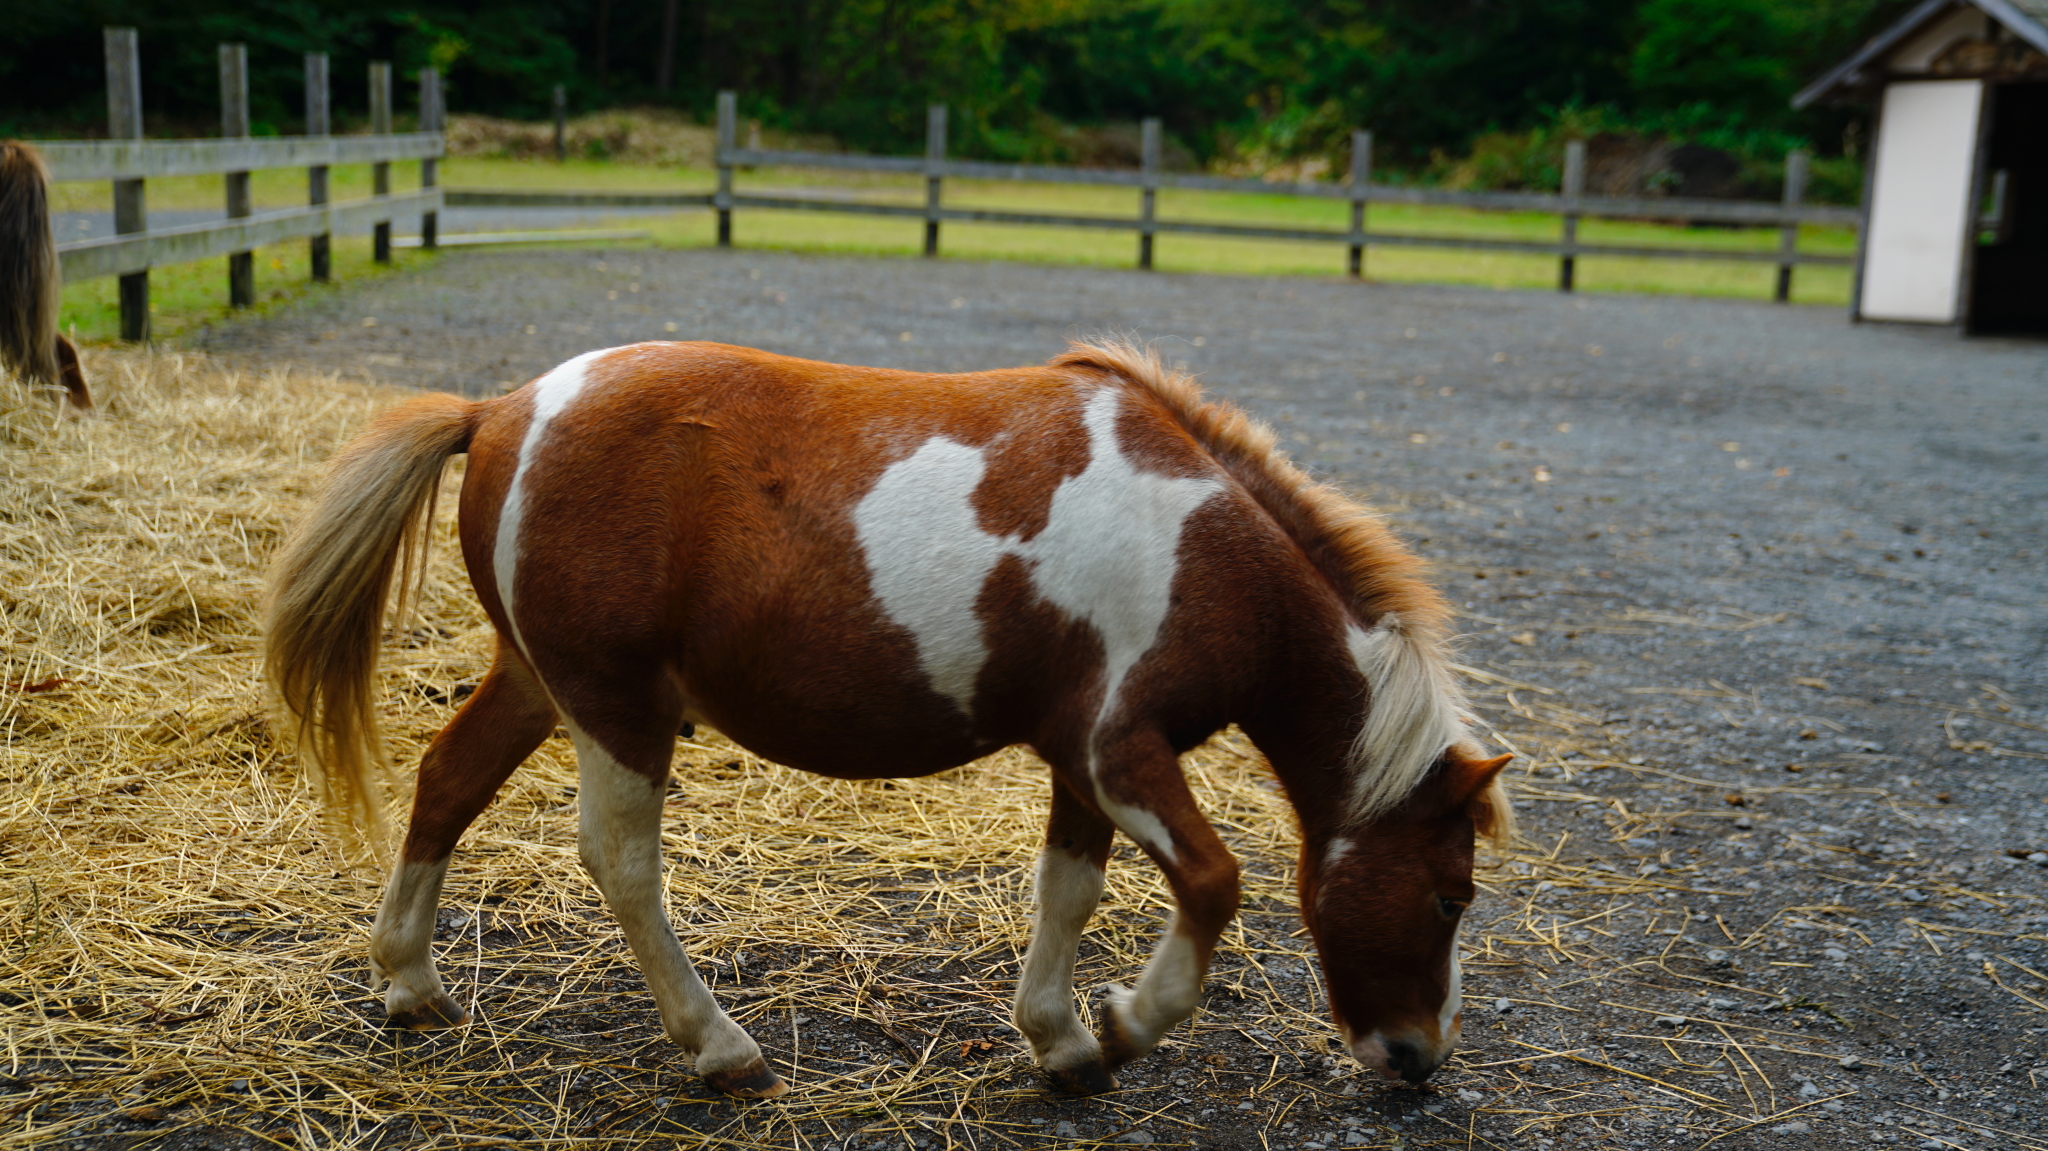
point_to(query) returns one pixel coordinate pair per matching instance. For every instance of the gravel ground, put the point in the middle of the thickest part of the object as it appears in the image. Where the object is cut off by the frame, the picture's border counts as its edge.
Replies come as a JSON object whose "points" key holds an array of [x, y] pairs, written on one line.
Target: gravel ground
{"points": [[1758, 594]]}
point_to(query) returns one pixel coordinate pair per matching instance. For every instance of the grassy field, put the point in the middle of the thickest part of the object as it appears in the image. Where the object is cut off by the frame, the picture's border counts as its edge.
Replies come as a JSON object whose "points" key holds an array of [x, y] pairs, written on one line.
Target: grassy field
{"points": [[186, 296], [193, 294]]}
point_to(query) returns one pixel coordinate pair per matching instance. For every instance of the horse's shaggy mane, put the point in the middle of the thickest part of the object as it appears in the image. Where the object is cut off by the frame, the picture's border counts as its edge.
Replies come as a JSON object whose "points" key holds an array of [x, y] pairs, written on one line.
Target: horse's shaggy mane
{"points": [[1417, 710]]}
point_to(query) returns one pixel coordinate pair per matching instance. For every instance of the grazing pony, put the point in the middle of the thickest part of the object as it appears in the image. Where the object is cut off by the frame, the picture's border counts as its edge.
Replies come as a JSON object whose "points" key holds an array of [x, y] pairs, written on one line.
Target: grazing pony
{"points": [[878, 574], [30, 345]]}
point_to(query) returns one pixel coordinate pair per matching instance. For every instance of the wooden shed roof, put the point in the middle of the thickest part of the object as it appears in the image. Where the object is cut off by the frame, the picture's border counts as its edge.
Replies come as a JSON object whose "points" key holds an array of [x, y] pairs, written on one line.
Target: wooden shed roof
{"points": [[2026, 21]]}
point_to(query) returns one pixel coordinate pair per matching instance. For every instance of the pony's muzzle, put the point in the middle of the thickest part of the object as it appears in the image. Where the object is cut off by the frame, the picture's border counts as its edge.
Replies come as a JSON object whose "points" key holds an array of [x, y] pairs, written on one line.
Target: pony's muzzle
{"points": [[1408, 1055]]}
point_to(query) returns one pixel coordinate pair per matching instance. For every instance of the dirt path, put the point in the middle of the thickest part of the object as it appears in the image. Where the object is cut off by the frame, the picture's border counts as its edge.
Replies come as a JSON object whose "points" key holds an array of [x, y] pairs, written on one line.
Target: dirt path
{"points": [[1709, 554]]}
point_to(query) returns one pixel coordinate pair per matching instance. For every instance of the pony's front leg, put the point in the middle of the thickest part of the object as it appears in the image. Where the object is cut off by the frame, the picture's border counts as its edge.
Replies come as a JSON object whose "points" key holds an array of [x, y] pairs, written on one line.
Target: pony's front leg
{"points": [[620, 842], [1077, 842], [1141, 788]]}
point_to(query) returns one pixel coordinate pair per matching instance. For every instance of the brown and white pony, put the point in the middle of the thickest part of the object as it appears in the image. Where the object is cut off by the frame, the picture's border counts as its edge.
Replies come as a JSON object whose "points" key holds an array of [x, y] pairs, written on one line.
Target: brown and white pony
{"points": [[31, 348], [879, 574]]}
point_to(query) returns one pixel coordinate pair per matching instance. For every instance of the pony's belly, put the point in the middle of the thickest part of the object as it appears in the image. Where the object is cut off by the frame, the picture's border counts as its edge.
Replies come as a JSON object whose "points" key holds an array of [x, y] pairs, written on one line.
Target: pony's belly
{"points": [[881, 738]]}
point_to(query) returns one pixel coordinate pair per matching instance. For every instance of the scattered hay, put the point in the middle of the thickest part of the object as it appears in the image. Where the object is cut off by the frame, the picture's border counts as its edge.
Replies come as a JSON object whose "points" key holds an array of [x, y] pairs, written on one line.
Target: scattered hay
{"points": [[182, 949]]}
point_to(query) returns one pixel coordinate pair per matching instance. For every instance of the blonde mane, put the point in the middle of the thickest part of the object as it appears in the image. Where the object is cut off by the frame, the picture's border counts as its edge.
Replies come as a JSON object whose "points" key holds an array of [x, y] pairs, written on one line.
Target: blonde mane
{"points": [[1416, 709]]}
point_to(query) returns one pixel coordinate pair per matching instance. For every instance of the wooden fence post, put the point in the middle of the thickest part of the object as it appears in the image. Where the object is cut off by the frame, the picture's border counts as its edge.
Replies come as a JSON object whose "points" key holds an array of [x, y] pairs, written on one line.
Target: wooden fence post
{"points": [[319, 122], [131, 212], [430, 167], [1574, 187], [934, 155], [380, 172], [561, 122], [1148, 158], [1788, 236], [234, 124], [1361, 175], [728, 127]]}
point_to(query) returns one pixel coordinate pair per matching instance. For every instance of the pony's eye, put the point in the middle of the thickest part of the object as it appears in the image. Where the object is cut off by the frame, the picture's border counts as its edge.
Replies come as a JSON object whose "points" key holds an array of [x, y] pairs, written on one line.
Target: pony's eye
{"points": [[1450, 908]]}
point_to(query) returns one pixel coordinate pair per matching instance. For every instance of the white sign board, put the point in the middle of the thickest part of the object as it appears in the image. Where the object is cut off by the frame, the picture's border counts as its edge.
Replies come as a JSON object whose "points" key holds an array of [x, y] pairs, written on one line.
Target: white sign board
{"points": [[1920, 205]]}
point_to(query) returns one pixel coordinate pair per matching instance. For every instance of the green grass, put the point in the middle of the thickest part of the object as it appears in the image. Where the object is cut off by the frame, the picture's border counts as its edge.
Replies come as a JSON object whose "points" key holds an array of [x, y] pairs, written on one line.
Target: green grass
{"points": [[183, 297], [187, 295], [824, 232]]}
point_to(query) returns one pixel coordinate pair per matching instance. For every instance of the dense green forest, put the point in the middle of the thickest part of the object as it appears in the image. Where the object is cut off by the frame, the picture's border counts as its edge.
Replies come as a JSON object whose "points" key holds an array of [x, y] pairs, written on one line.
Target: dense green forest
{"points": [[1232, 78]]}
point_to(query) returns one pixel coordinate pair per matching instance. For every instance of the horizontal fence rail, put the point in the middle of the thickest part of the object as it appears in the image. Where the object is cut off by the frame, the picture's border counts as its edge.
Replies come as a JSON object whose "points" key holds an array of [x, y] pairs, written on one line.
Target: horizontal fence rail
{"points": [[1571, 204], [1246, 231], [1758, 213], [522, 198], [128, 161], [75, 160], [140, 251]]}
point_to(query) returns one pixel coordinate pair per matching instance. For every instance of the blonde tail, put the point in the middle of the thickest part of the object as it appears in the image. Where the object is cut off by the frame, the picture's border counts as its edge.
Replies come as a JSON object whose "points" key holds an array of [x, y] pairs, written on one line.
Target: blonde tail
{"points": [[330, 585]]}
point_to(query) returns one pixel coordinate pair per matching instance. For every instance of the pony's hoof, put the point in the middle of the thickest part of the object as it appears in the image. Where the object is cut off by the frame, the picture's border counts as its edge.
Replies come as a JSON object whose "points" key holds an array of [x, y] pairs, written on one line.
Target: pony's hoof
{"points": [[433, 1015], [1117, 1048], [1090, 1078], [753, 1081]]}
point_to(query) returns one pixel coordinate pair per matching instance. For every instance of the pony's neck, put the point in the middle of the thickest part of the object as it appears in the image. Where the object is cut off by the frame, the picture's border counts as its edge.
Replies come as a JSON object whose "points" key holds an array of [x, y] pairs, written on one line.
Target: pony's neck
{"points": [[1305, 724]]}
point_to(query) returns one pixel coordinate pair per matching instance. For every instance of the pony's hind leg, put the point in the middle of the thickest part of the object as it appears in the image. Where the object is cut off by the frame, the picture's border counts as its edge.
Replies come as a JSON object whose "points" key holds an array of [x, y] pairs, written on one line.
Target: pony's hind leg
{"points": [[463, 768], [620, 843], [1077, 841]]}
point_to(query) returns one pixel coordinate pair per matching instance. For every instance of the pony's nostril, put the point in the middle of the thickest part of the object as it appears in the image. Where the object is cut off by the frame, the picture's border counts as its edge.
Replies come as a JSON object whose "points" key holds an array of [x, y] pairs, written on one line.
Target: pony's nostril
{"points": [[1407, 1060]]}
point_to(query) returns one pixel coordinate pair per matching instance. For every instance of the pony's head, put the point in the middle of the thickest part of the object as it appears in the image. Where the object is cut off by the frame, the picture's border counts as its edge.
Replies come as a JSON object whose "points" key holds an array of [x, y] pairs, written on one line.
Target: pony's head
{"points": [[1383, 900]]}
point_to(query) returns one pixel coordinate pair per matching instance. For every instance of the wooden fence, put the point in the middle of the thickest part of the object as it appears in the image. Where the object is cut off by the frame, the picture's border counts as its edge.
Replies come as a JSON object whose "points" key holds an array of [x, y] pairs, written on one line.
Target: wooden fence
{"points": [[1358, 190], [128, 161]]}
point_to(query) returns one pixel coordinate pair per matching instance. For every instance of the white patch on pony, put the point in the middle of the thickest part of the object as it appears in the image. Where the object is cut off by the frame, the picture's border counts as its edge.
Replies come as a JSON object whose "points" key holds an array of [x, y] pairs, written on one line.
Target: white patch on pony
{"points": [[1167, 993], [1333, 854], [401, 942], [1413, 712], [1069, 889], [1145, 829], [552, 393], [1454, 1000], [1108, 552], [928, 559], [1338, 849], [619, 841], [1107, 555]]}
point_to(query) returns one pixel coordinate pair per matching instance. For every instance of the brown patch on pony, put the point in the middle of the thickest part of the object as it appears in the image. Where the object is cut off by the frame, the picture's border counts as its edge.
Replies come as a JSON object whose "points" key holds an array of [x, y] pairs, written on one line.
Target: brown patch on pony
{"points": [[30, 282]]}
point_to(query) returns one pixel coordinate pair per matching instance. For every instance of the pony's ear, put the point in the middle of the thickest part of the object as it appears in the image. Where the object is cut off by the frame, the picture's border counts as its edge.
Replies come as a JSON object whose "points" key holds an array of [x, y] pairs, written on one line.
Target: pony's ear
{"points": [[1469, 777], [1475, 786]]}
